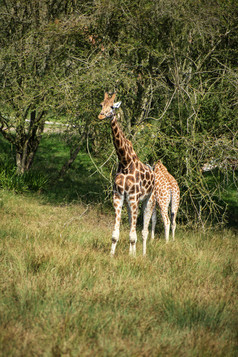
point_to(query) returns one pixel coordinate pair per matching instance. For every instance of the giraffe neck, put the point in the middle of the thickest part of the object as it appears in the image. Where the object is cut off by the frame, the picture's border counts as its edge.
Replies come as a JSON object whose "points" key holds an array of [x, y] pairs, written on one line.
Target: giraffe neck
{"points": [[124, 148]]}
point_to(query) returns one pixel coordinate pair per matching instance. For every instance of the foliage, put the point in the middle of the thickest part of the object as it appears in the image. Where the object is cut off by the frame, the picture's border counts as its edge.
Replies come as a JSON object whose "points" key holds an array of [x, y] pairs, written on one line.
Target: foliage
{"points": [[61, 293], [34, 71], [173, 65]]}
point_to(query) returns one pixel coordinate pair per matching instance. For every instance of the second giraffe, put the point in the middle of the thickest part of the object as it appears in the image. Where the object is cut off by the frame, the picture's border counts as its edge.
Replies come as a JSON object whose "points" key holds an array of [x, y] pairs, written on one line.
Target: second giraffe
{"points": [[166, 192]]}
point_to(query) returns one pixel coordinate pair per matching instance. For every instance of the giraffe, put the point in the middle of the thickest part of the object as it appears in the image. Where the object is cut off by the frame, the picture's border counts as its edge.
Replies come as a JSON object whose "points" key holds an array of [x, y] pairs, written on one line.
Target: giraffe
{"points": [[166, 191], [134, 181]]}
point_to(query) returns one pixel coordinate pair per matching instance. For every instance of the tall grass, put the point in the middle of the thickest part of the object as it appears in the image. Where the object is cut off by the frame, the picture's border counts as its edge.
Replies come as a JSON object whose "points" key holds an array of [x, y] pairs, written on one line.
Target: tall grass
{"points": [[33, 180], [61, 293]]}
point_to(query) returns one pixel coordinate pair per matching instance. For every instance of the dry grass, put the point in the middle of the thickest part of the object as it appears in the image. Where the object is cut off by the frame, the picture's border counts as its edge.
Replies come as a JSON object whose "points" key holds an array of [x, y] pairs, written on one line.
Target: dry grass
{"points": [[62, 295]]}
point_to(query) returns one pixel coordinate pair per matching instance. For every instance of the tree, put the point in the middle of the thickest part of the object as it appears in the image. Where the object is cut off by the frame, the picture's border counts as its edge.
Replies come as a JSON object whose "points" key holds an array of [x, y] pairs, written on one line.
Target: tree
{"points": [[181, 102], [35, 69], [172, 63]]}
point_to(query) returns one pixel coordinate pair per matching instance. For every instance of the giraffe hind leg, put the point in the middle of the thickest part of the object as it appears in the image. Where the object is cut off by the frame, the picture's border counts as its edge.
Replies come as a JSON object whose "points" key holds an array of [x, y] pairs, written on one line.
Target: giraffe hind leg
{"points": [[148, 211], [163, 202], [173, 224], [166, 230], [166, 221], [173, 221], [174, 210], [153, 223]]}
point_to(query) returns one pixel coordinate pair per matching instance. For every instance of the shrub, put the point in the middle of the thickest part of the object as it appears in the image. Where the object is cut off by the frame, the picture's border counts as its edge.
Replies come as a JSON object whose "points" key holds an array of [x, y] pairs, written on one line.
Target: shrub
{"points": [[30, 181]]}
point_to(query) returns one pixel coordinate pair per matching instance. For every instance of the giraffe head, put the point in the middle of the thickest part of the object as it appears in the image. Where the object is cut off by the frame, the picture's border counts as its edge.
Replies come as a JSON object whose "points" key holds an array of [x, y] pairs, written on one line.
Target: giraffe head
{"points": [[108, 106]]}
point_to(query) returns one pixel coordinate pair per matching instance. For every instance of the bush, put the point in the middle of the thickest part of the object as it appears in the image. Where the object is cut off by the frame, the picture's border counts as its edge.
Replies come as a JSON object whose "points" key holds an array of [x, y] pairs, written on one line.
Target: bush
{"points": [[30, 181]]}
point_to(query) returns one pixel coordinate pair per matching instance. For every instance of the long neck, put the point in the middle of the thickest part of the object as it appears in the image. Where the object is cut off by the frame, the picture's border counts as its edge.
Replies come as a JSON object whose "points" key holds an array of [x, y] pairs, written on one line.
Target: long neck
{"points": [[124, 148]]}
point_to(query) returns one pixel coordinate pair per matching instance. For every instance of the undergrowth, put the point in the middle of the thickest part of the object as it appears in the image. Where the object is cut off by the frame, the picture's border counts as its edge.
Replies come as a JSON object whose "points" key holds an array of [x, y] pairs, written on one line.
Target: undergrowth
{"points": [[12, 181]]}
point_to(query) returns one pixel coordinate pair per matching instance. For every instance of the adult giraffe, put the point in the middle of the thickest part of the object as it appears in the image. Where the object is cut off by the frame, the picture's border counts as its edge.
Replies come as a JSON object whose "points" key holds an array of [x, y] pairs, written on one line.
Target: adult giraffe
{"points": [[134, 180]]}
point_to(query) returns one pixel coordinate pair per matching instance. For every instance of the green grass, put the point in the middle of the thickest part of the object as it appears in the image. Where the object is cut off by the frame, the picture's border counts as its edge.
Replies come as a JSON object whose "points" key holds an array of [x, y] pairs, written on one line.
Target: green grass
{"points": [[61, 293]]}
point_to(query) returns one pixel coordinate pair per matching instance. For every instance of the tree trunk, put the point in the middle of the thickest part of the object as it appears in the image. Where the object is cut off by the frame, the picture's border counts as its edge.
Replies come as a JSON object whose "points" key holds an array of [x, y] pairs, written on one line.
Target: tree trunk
{"points": [[27, 143], [24, 159]]}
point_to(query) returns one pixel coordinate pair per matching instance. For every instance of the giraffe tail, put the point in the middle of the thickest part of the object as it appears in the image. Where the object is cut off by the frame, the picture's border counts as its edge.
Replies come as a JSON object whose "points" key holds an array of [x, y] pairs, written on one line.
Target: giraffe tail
{"points": [[174, 206], [172, 217]]}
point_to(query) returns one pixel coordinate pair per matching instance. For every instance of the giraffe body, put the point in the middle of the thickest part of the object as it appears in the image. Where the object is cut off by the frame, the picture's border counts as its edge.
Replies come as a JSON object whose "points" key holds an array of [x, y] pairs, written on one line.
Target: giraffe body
{"points": [[166, 192], [134, 181]]}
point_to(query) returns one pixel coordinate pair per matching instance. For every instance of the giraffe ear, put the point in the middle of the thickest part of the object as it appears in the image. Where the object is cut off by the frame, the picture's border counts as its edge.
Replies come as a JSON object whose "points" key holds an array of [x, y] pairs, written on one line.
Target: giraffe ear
{"points": [[105, 95], [116, 105]]}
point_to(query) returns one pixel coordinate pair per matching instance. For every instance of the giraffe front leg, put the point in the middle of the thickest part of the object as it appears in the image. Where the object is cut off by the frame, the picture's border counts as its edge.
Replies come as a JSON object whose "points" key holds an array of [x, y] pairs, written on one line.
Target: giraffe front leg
{"points": [[117, 203], [133, 208], [148, 211]]}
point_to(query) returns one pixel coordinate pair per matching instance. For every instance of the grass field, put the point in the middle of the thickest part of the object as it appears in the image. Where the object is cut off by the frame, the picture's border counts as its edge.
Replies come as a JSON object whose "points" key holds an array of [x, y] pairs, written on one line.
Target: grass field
{"points": [[62, 295]]}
